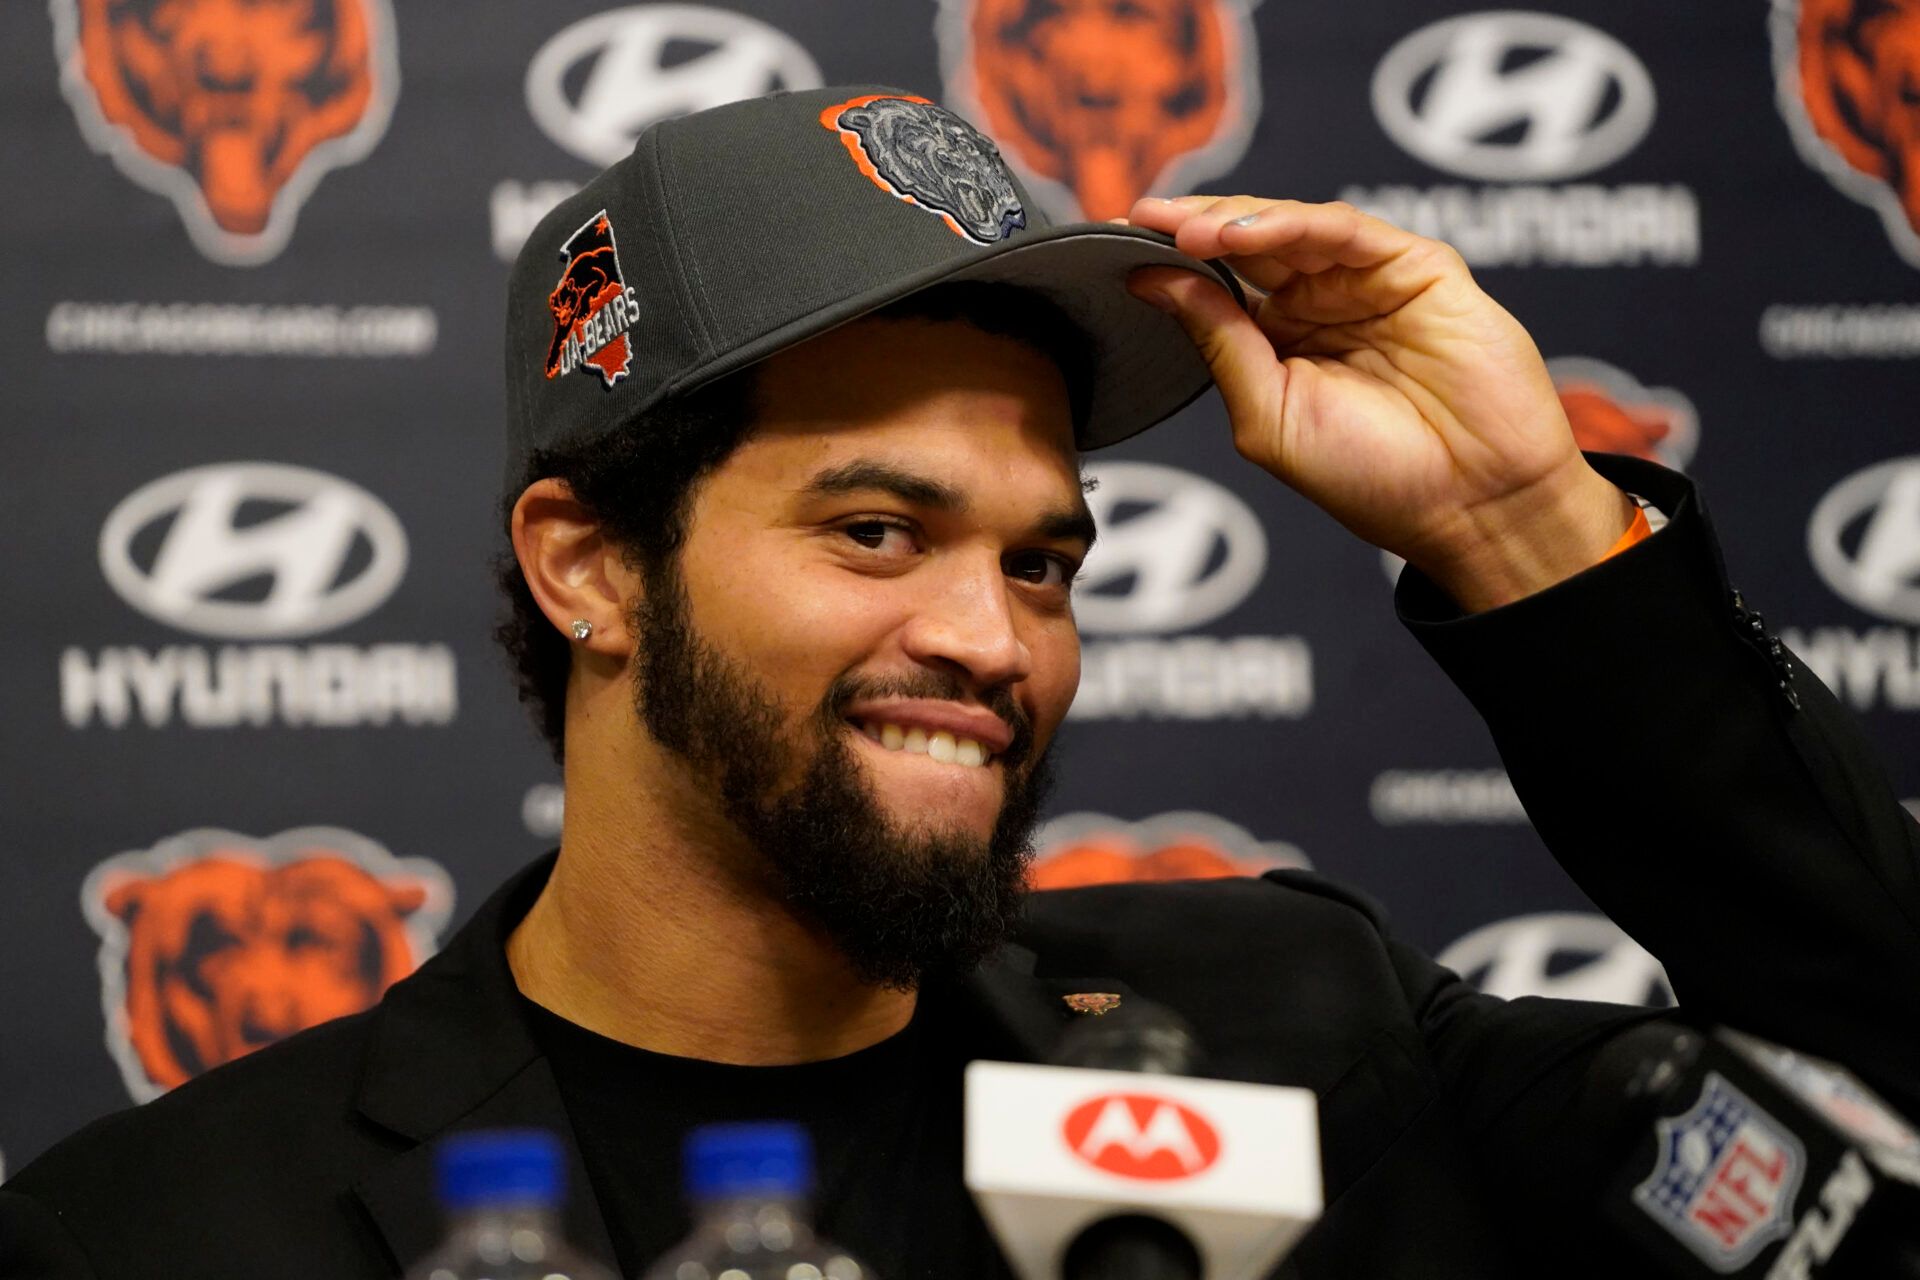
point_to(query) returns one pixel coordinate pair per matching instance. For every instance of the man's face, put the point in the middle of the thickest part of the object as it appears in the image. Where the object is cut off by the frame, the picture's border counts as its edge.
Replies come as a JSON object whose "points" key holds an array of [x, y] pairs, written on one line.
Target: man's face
{"points": [[868, 643]]}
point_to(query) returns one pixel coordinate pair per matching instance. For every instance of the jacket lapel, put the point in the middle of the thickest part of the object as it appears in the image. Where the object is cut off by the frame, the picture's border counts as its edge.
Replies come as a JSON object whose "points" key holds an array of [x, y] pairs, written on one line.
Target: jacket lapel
{"points": [[402, 1200], [1022, 1014], [450, 1051]]}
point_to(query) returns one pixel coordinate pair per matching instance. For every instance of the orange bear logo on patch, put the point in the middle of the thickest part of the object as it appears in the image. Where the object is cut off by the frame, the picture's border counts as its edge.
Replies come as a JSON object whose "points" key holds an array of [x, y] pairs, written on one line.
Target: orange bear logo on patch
{"points": [[1107, 100], [234, 108], [215, 949]]}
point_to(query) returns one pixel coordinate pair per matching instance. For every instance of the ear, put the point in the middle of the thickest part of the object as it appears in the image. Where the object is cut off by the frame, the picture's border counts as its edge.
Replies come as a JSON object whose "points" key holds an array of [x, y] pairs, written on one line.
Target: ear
{"points": [[404, 896], [121, 896], [572, 570]]}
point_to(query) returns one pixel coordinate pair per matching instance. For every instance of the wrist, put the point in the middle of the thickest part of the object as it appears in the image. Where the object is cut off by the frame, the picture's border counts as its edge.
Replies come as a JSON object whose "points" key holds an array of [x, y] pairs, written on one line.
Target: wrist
{"points": [[1533, 538]]}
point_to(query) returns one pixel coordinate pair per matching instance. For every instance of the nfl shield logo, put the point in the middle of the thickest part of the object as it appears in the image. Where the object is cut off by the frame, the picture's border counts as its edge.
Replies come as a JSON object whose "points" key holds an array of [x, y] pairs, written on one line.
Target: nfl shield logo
{"points": [[1726, 1177]]}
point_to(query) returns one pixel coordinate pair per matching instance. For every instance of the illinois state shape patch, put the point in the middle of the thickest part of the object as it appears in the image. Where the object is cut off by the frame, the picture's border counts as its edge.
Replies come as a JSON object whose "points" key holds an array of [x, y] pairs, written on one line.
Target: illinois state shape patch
{"points": [[929, 157], [592, 306]]}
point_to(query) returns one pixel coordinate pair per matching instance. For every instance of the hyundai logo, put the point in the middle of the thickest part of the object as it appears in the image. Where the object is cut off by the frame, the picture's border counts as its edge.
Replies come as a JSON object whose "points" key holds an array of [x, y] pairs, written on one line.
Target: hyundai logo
{"points": [[1513, 96], [253, 551], [1864, 539], [1175, 551], [598, 83]]}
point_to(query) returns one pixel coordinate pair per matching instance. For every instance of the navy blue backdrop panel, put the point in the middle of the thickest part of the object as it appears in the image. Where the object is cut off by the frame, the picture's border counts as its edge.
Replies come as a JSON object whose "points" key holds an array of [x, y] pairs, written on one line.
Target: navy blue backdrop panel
{"points": [[260, 754]]}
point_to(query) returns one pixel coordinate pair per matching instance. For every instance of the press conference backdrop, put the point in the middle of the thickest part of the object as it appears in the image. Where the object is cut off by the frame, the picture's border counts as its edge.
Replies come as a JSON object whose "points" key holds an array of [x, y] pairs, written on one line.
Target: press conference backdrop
{"points": [[260, 755]]}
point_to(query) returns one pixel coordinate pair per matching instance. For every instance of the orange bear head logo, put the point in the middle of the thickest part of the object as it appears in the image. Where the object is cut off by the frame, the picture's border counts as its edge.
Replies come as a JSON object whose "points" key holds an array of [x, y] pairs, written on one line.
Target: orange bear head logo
{"points": [[1083, 849], [1849, 84], [1100, 102], [213, 945], [1611, 412], [233, 108]]}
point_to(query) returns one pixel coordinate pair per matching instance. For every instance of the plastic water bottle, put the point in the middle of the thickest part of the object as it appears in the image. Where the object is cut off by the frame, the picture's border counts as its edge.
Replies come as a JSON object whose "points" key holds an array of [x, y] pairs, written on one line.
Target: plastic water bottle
{"points": [[502, 1193], [749, 1184]]}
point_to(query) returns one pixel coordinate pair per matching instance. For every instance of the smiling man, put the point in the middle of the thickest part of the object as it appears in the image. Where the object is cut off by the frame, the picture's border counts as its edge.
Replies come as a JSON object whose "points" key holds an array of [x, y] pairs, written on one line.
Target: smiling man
{"points": [[797, 400]]}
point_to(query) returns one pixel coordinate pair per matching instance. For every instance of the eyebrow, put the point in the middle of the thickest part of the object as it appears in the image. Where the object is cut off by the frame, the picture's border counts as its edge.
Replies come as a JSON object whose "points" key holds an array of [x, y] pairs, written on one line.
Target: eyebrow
{"points": [[867, 475]]}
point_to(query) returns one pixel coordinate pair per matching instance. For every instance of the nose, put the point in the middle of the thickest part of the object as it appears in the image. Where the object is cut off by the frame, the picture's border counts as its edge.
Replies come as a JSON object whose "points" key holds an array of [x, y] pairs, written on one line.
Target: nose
{"points": [[968, 622]]}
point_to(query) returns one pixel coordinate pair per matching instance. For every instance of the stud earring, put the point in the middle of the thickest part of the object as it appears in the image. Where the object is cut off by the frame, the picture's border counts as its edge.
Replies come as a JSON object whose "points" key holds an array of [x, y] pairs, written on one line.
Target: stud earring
{"points": [[582, 628]]}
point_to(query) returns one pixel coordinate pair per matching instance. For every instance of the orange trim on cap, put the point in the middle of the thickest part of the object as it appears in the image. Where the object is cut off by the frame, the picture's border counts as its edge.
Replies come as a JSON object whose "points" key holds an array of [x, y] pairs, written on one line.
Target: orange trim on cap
{"points": [[1639, 531], [830, 119]]}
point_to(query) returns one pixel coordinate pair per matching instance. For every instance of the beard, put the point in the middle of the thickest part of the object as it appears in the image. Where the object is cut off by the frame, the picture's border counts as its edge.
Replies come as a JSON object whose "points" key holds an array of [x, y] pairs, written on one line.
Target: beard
{"points": [[902, 906]]}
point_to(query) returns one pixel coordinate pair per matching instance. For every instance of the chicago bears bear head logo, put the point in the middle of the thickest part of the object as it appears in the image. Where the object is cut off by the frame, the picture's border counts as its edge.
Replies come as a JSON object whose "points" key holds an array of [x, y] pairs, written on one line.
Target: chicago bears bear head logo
{"points": [[233, 108], [1099, 102], [1611, 411], [592, 306], [1089, 848], [1849, 85], [213, 945], [927, 156]]}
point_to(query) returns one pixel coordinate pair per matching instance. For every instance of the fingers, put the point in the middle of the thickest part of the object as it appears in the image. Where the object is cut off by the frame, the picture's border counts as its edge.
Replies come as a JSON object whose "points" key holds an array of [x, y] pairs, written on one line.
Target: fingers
{"points": [[1238, 354], [1215, 226], [1269, 242]]}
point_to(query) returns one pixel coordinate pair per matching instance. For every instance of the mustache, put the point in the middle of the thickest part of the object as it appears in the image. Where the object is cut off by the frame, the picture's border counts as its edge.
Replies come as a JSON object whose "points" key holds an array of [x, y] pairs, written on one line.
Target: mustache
{"points": [[935, 686]]}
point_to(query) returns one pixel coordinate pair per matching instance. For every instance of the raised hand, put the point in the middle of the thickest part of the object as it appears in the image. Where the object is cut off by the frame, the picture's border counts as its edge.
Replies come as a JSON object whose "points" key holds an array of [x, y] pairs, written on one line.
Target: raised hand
{"points": [[1378, 380]]}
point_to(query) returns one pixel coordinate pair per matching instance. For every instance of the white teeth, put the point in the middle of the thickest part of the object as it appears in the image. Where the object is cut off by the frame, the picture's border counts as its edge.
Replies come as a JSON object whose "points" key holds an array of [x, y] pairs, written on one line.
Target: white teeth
{"points": [[941, 745]]}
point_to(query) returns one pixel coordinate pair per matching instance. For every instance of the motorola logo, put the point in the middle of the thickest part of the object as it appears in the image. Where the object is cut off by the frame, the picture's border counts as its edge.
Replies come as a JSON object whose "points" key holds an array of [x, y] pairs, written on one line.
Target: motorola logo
{"points": [[1175, 551], [1513, 96], [598, 83], [253, 551], [1567, 955], [1864, 538], [1141, 1136]]}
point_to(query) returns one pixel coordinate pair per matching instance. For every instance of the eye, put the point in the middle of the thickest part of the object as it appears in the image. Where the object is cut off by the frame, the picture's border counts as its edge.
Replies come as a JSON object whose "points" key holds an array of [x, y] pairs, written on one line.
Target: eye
{"points": [[301, 938], [1042, 568], [880, 535]]}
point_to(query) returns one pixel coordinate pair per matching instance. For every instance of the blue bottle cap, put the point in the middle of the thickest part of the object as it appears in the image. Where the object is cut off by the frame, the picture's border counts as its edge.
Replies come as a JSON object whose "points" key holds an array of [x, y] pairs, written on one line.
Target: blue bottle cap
{"points": [[499, 1167], [726, 1161]]}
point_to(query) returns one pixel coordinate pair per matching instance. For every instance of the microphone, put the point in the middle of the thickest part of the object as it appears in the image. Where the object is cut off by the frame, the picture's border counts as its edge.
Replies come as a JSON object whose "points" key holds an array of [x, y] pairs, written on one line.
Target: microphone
{"points": [[1116, 1164], [1762, 1162]]}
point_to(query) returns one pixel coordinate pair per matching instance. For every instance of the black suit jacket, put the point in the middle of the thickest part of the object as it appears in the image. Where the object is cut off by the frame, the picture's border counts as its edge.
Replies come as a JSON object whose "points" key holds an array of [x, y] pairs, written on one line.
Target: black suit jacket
{"points": [[1700, 787]]}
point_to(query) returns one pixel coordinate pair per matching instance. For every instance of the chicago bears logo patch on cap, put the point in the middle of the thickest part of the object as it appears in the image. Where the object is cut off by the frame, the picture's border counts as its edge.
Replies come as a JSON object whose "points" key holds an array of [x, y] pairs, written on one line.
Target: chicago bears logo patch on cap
{"points": [[927, 156], [592, 306]]}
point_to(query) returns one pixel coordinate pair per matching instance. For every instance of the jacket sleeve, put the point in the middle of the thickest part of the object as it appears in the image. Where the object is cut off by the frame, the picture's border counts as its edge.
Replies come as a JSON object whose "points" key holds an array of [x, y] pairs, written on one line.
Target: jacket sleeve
{"points": [[34, 1245], [1705, 790]]}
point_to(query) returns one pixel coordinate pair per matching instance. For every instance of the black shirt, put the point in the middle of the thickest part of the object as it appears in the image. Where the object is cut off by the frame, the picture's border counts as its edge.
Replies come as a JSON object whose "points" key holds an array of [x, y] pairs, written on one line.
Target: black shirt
{"points": [[885, 1123]]}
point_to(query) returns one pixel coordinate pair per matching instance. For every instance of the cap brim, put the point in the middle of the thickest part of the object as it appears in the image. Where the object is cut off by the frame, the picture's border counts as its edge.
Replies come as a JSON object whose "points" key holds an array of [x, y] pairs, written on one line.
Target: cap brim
{"points": [[1144, 368]]}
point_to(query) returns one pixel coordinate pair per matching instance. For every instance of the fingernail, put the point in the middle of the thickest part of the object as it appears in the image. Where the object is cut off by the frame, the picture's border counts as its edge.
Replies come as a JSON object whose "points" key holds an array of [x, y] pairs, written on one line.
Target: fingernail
{"points": [[1245, 220]]}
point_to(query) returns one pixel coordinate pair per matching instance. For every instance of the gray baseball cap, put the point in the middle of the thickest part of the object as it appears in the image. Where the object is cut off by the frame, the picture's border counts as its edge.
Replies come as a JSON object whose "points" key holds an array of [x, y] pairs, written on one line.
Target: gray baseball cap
{"points": [[736, 232]]}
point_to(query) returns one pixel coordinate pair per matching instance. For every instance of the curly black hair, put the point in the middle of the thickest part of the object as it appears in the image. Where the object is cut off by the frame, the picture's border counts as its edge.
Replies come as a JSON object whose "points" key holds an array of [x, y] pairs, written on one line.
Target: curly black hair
{"points": [[639, 480]]}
